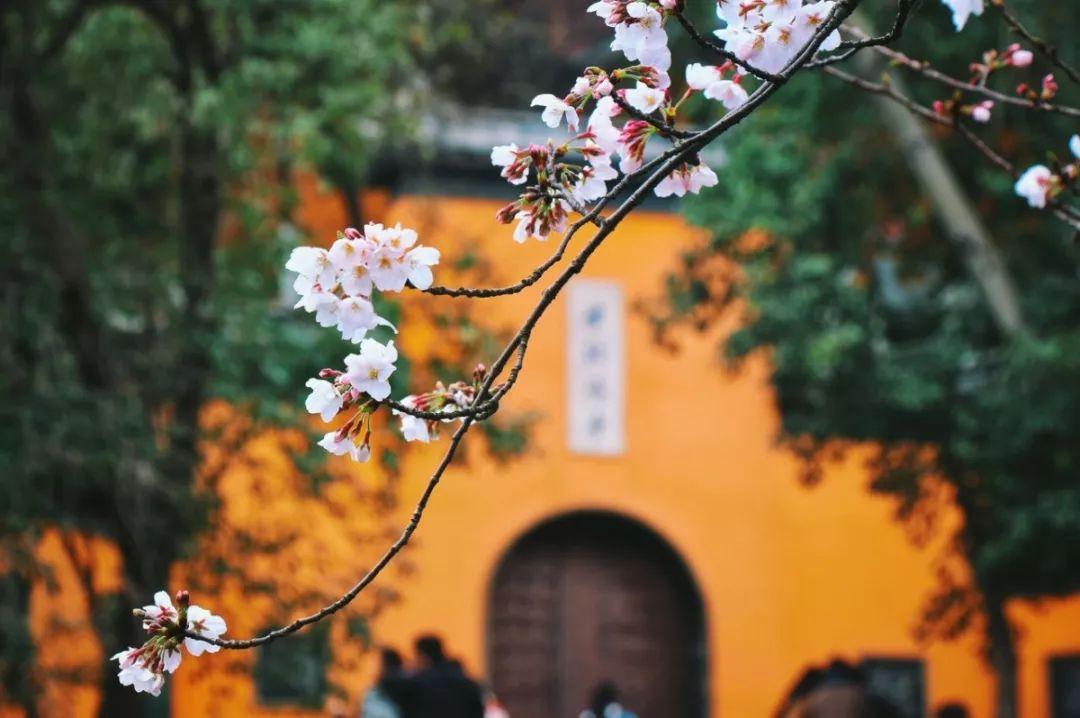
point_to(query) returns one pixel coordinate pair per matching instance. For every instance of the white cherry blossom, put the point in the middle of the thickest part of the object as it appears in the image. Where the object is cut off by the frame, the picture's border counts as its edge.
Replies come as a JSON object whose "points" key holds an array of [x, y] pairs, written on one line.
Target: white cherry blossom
{"points": [[645, 99], [347, 253], [962, 10], [388, 270], [728, 92], [686, 179], [313, 264], [413, 428], [418, 263], [345, 446], [981, 111], [161, 610], [356, 317], [136, 673], [605, 134], [603, 10], [327, 309], [1021, 58], [369, 371], [206, 624], [555, 111], [1036, 185], [144, 668], [356, 280], [324, 399], [699, 76]]}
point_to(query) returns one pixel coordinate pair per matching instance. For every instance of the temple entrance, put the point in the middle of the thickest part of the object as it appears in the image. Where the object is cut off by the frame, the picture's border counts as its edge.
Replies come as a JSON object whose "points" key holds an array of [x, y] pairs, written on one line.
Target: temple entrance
{"points": [[592, 597]]}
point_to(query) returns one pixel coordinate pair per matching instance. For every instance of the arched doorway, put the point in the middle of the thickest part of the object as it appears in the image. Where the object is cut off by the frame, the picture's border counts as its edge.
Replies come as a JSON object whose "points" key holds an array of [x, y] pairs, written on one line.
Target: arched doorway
{"points": [[590, 597]]}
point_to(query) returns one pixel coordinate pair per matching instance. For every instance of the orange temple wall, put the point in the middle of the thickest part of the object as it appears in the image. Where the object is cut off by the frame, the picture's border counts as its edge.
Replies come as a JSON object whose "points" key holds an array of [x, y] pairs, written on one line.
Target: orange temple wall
{"points": [[789, 576]]}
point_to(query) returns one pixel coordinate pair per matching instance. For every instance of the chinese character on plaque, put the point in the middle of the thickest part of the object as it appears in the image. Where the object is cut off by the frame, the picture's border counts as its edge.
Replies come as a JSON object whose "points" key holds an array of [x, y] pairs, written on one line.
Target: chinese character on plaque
{"points": [[596, 368]]}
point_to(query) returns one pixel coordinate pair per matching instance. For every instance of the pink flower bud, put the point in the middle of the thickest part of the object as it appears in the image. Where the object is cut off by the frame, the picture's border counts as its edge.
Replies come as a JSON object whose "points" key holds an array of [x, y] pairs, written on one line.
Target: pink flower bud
{"points": [[1049, 87], [352, 233], [981, 111], [505, 215], [1021, 58], [183, 598], [479, 372]]}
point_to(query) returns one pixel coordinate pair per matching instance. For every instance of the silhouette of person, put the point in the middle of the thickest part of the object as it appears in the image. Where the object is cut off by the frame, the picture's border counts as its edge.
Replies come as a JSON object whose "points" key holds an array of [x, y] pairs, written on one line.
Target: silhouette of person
{"points": [[439, 687], [837, 691], [381, 700], [605, 703]]}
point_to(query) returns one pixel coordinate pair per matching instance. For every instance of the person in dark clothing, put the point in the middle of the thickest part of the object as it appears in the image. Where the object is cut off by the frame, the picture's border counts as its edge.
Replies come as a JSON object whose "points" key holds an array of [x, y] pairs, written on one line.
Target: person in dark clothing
{"points": [[381, 700], [952, 710], [439, 688], [605, 703], [836, 691]]}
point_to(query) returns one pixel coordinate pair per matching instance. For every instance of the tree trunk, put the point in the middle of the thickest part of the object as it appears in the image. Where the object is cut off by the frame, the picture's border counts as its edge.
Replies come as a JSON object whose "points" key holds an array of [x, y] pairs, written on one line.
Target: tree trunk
{"points": [[1001, 653], [951, 204], [350, 195], [118, 630]]}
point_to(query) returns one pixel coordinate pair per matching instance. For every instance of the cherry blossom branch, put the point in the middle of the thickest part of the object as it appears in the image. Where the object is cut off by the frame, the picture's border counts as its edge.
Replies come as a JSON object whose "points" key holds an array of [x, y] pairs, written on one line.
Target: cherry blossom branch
{"points": [[661, 168], [532, 278], [1047, 50], [480, 409], [664, 128], [522, 340], [923, 68], [850, 47], [346, 598], [1064, 212]]}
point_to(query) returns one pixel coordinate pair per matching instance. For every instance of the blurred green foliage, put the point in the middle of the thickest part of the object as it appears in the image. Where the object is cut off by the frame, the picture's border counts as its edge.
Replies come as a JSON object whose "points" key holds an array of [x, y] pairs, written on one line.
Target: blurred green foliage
{"points": [[147, 206]]}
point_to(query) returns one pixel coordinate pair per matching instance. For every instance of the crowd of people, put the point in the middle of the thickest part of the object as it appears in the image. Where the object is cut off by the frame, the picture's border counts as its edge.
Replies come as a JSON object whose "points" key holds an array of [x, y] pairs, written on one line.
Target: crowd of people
{"points": [[434, 686], [437, 686]]}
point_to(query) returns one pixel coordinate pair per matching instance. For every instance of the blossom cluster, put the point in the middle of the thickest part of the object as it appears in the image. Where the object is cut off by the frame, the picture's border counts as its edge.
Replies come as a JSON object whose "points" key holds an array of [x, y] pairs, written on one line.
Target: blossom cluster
{"points": [[764, 35], [1039, 184], [768, 34], [144, 668], [992, 61], [455, 397], [563, 177], [337, 285]]}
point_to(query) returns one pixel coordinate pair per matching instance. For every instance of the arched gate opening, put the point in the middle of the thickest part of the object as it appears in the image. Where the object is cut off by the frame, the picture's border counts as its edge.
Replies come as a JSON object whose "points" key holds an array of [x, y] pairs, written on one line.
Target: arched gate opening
{"points": [[590, 597]]}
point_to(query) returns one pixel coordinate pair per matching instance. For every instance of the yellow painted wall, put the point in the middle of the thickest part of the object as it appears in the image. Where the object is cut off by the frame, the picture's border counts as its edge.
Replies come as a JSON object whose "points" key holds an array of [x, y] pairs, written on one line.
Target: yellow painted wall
{"points": [[789, 576]]}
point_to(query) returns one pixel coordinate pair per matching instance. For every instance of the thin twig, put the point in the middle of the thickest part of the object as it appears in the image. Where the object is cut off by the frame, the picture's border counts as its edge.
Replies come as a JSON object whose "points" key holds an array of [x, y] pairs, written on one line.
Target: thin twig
{"points": [[1045, 49], [850, 47], [924, 69], [662, 127], [1064, 212]]}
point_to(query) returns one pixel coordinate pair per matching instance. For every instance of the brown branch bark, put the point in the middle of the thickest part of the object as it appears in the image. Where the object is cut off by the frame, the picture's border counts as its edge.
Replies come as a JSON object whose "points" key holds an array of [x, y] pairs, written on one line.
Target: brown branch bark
{"points": [[663, 165]]}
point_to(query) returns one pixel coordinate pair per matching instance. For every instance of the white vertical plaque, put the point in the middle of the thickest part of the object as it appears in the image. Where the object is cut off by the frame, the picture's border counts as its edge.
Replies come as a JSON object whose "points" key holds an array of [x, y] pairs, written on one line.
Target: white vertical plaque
{"points": [[596, 368]]}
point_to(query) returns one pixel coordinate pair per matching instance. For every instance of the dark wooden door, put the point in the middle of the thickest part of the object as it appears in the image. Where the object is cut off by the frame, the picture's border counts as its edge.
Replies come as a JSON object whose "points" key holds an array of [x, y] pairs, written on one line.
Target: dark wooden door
{"points": [[588, 599]]}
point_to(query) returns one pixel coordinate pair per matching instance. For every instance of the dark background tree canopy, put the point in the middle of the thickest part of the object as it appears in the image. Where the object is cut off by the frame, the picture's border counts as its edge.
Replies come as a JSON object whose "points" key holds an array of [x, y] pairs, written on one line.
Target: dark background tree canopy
{"points": [[147, 200]]}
